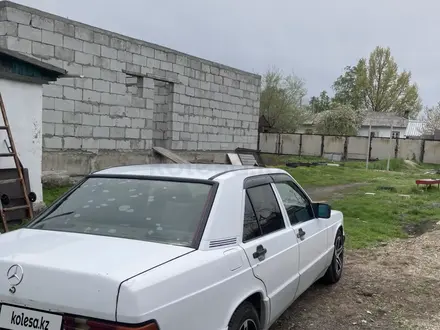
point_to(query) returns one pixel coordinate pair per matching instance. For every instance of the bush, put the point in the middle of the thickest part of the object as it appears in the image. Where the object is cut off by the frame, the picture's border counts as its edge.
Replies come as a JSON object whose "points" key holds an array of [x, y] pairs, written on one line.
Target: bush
{"points": [[342, 120]]}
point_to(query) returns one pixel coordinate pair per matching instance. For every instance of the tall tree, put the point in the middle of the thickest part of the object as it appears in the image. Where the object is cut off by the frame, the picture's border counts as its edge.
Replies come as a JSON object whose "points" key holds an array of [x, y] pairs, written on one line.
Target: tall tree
{"points": [[431, 119], [387, 90], [281, 100], [348, 89], [320, 103], [376, 85]]}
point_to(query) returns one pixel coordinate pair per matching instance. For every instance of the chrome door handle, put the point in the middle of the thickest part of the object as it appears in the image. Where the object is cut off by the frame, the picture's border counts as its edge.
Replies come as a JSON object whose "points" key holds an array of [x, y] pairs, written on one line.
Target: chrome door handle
{"points": [[301, 234]]}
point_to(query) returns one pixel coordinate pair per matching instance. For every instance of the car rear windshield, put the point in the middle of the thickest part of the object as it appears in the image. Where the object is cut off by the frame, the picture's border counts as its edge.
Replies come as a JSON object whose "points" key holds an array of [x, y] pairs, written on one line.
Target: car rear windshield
{"points": [[151, 210]]}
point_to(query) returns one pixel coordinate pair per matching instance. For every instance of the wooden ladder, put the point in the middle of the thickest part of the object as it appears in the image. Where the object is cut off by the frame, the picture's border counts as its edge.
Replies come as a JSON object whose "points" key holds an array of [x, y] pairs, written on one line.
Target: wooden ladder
{"points": [[19, 167]]}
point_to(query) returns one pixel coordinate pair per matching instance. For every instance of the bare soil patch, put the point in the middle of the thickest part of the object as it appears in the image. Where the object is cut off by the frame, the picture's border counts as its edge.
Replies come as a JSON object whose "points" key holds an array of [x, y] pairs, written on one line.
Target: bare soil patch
{"points": [[332, 192], [395, 286]]}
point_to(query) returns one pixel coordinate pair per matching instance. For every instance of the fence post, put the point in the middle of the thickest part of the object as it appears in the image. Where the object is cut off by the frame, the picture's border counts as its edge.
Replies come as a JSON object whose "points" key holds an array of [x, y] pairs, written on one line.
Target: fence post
{"points": [[300, 144], [322, 145], [345, 153], [422, 151], [396, 149], [278, 148], [258, 141], [370, 147]]}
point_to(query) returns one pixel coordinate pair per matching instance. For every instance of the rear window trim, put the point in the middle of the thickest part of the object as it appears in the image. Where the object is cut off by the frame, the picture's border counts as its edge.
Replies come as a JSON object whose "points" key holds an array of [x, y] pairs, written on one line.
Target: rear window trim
{"points": [[195, 244]]}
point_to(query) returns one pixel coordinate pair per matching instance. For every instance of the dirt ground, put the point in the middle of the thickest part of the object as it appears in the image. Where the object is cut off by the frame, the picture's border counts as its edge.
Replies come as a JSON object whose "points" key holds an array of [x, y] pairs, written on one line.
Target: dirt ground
{"points": [[393, 286], [333, 192]]}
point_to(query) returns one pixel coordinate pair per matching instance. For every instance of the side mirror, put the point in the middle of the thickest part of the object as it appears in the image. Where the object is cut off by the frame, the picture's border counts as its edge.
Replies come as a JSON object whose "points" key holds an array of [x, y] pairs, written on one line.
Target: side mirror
{"points": [[322, 210]]}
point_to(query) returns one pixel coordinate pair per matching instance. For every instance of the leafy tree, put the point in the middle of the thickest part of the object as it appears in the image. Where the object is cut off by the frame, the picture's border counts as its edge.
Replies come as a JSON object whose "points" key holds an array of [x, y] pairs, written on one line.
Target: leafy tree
{"points": [[341, 120], [281, 101], [387, 90], [348, 89], [431, 120], [320, 103], [376, 85]]}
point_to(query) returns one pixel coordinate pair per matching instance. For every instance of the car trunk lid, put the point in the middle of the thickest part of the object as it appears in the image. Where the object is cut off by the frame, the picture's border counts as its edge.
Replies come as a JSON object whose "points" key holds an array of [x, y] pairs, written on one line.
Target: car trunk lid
{"points": [[74, 273]]}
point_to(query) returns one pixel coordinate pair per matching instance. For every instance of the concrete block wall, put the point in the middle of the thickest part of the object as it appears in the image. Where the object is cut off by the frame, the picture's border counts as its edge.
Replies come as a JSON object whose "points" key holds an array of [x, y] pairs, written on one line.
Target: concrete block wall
{"points": [[290, 144], [269, 142], [382, 147], [212, 107], [357, 147], [163, 102]]}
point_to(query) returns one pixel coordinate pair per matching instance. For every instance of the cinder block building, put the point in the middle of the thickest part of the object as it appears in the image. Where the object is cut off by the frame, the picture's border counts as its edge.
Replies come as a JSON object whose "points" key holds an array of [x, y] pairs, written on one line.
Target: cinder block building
{"points": [[122, 96]]}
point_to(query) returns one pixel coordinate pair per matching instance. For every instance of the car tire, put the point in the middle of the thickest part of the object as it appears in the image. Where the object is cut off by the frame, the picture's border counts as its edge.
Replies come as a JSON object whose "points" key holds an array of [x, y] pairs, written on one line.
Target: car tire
{"points": [[334, 271], [245, 317]]}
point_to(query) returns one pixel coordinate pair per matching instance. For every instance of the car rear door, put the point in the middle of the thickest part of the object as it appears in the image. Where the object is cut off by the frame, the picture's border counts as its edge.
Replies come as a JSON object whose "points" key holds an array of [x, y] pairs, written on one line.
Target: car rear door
{"points": [[270, 244], [311, 231]]}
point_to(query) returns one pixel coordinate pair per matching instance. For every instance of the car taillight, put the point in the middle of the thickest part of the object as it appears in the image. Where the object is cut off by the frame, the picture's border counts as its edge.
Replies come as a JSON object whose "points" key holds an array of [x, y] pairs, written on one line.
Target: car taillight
{"points": [[76, 323]]}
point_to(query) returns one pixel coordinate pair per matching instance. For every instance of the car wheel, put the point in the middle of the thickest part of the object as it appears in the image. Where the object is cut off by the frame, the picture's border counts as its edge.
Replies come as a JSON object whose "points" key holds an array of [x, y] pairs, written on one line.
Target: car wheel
{"points": [[334, 271], [245, 318]]}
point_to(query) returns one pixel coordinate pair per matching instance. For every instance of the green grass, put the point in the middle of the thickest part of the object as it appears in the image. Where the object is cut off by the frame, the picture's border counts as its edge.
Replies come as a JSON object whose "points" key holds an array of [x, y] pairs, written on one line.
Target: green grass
{"points": [[327, 176], [372, 219], [51, 194]]}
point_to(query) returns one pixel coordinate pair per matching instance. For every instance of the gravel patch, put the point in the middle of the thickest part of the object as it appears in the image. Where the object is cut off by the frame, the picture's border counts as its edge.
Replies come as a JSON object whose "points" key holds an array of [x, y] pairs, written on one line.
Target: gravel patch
{"points": [[395, 286]]}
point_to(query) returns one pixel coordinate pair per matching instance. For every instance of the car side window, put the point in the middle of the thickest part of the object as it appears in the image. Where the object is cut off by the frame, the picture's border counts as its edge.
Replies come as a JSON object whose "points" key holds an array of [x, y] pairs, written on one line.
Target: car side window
{"points": [[297, 205], [265, 208], [251, 228]]}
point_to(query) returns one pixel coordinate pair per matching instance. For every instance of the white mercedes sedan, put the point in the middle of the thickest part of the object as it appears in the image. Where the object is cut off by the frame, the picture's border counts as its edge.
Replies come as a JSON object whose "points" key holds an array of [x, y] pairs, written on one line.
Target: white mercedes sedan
{"points": [[169, 247]]}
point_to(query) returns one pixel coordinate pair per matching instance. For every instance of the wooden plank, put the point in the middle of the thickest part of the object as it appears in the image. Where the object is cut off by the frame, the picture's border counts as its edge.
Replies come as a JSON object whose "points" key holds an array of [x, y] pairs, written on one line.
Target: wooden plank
{"points": [[248, 159], [170, 155], [234, 159]]}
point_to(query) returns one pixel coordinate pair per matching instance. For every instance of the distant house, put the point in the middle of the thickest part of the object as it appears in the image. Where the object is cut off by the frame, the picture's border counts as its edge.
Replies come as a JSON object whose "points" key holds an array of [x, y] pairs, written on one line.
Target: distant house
{"points": [[383, 124], [414, 129], [263, 125]]}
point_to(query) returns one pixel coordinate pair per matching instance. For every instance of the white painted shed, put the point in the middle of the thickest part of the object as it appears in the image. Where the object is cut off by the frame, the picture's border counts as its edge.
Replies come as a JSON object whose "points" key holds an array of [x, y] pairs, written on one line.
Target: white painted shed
{"points": [[21, 85]]}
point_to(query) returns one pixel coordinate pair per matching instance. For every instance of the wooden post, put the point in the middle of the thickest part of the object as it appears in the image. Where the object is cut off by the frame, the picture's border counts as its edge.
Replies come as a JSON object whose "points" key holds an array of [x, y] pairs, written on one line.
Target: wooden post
{"points": [[368, 147], [389, 148], [300, 144], [322, 145], [345, 154], [422, 151], [279, 144]]}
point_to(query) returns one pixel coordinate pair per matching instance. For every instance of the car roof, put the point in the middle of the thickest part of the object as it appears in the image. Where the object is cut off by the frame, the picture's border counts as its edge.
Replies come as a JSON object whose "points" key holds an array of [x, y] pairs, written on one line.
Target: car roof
{"points": [[184, 171]]}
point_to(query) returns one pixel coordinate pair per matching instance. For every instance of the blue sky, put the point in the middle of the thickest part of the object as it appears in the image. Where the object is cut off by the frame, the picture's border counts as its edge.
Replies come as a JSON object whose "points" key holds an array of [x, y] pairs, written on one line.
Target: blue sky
{"points": [[315, 39]]}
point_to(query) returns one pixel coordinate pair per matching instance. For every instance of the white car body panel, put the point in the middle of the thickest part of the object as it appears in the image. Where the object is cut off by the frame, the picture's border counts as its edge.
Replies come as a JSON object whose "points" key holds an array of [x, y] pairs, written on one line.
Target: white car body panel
{"points": [[202, 279], [58, 265], [279, 270], [132, 282]]}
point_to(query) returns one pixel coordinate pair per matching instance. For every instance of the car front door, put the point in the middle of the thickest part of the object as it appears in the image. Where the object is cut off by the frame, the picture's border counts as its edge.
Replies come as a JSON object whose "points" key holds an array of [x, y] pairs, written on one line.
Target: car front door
{"points": [[270, 245], [311, 231]]}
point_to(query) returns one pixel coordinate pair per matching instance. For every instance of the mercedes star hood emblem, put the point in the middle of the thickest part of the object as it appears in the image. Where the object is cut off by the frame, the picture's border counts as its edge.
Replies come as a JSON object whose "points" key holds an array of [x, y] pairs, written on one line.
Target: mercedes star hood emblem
{"points": [[15, 275]]}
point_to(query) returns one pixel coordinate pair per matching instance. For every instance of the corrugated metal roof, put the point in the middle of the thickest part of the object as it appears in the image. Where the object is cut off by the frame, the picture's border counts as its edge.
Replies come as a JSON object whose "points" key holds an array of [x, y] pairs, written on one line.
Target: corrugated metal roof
{"points": [[414, 128], [33, 61], [380, 119], [384, 119]]}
